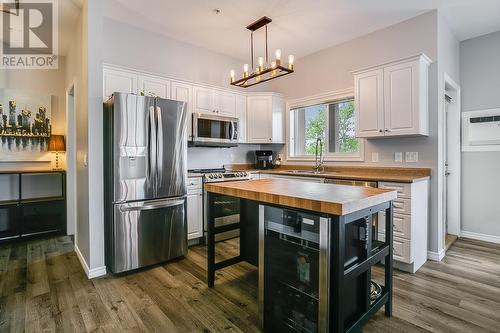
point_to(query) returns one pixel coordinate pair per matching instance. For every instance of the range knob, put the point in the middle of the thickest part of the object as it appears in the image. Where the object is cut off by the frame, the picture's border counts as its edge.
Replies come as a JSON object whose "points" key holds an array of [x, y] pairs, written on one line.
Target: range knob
{"points": [[211, 176], [219, 175]]}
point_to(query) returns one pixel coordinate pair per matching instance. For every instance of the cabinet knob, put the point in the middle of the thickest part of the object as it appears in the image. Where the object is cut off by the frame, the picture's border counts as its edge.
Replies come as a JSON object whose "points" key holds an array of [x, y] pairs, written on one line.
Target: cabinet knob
{"points": [[387, 130], [380, 130]]}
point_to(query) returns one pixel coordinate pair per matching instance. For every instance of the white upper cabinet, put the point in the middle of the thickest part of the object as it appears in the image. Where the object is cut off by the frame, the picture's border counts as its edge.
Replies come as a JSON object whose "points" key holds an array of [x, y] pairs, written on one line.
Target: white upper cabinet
{"points": [[184, 92], [118, 80], [225, 103], [265, 115], [154, 86], [369, 103], [213, 101], [392, 100], [241, 114], [203, 100]]}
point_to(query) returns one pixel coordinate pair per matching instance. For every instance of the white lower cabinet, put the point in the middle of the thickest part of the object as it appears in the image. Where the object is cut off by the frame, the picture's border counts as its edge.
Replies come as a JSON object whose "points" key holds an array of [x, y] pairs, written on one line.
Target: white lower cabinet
{"points": [[410, 224], [194, 208]]}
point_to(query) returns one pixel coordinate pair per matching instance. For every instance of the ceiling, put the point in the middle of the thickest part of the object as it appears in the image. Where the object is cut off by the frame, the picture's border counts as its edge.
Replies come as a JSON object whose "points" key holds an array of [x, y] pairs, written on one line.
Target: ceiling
{"points": [[299, 27]]}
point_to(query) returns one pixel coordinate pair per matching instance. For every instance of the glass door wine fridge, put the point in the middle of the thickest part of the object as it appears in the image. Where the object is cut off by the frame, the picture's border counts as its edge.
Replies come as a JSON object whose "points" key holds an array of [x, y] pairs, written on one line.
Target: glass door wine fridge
{"points": [[293, 263]]}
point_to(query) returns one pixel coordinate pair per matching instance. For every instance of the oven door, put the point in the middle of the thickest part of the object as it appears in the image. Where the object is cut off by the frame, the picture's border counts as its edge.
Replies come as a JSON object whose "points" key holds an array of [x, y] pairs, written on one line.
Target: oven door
{"points": [[216, 131]]}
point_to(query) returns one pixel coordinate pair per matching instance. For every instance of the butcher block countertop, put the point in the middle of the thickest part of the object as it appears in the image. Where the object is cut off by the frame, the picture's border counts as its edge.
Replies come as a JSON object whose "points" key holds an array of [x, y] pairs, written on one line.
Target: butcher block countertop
{"points": [[366, 173], [322, 198]]}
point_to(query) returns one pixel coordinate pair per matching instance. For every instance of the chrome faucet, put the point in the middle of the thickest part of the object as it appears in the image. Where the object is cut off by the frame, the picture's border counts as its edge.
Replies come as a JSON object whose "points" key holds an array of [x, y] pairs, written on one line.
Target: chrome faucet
{"points": [[318, 163]]}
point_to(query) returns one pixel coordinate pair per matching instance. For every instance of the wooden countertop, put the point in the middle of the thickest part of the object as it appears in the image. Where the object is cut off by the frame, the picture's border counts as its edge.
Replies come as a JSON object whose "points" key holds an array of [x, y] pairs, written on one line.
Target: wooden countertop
{"points": [[317, 197], [368, 173]]}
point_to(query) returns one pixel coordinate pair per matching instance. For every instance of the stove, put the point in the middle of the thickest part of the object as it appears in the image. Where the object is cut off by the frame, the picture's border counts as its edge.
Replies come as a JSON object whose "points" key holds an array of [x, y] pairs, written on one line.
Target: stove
{"points": [[221, 175]]}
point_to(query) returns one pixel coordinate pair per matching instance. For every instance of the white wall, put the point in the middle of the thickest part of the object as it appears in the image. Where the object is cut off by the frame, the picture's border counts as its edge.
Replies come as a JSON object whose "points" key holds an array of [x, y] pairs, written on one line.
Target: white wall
{"points": [[50, 82], [78, 178], [331, 69], [480, 80]]}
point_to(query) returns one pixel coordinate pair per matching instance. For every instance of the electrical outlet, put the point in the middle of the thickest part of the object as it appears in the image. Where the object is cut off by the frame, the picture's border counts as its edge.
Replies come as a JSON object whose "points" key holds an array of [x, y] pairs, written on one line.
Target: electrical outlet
{"points": [[411, 156], [398, 157], [375, 157]]}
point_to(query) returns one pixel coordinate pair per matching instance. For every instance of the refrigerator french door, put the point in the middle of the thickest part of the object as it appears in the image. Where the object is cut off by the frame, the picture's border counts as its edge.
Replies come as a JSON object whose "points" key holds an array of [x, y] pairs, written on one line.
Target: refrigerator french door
{"points": [[145, 172]]}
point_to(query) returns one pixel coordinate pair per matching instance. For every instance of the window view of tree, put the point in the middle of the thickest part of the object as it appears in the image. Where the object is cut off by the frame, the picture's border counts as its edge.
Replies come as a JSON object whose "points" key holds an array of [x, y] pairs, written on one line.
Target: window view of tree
{"points": [[345, 127], [334, 123], [315, 127]]}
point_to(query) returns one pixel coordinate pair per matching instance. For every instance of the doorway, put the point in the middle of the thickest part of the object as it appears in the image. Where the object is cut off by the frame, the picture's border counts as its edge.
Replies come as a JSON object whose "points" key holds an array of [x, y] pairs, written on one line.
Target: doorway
{"points": [[452, 163], [71, 160]]}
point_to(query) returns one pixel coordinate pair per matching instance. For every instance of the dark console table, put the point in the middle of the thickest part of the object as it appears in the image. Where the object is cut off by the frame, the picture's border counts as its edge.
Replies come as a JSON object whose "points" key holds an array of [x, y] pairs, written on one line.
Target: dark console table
{"points": [[32, 203]]}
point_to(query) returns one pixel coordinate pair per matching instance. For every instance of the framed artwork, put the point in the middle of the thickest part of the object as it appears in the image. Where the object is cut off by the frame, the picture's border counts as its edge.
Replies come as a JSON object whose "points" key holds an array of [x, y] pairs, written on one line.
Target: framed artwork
{"points": [[25, 125]]}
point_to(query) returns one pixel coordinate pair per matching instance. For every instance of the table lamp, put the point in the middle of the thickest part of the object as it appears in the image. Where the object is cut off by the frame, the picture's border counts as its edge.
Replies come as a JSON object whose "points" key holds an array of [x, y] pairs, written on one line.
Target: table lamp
{"points": [[57, 145]]}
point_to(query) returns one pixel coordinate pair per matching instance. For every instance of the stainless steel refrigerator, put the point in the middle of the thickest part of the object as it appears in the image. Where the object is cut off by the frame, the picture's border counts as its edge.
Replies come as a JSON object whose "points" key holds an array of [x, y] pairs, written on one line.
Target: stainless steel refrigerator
{"points": [[145, 152]]}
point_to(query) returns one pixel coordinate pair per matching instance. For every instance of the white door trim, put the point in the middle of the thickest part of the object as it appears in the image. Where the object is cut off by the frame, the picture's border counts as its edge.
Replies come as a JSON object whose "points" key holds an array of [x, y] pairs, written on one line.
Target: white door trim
{"points": [[71, 204]]}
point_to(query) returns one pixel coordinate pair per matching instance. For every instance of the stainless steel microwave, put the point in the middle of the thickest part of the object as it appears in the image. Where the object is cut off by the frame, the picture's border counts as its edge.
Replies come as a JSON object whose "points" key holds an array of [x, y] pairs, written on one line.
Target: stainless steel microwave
{"points": [[214, 131]]}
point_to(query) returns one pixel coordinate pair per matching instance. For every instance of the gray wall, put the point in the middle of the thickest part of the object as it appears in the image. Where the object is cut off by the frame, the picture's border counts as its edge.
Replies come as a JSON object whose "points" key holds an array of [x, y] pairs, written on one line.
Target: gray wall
{"points": [[331, 69], [480, 71]]}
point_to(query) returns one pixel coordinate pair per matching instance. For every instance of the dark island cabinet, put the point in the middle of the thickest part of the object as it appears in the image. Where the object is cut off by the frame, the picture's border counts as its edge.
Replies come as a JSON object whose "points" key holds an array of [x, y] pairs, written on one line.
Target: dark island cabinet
{"points": [[32, 203]]}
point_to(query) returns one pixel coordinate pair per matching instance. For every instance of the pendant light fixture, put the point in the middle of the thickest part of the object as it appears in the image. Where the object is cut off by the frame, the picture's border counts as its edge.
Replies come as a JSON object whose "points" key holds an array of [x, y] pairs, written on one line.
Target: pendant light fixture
{"points": [[265, 71]]}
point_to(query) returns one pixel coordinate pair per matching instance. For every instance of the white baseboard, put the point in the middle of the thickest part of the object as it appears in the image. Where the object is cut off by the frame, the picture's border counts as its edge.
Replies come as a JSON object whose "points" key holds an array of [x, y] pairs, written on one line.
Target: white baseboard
{"points": [[436, 256], [481, 237], [91, 273]]}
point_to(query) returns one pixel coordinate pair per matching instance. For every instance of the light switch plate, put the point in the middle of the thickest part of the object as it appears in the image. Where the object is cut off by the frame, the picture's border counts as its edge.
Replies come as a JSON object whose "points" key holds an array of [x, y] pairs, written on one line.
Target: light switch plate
{"points": [[411, 156], [375, 157], [398, 157]]}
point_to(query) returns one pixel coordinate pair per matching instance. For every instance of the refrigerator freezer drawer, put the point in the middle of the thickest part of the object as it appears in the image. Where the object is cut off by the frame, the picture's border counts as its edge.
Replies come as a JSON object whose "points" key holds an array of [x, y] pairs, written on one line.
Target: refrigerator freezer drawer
{"points": [[148, 232]]}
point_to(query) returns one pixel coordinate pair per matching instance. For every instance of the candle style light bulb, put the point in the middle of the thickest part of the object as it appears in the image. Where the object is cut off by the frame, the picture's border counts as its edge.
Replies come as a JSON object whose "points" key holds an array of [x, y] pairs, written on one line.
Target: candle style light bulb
{"points": [[232, 73], [273, 66], [261, 63], [291, 58], [245, 70], [278, 57]]}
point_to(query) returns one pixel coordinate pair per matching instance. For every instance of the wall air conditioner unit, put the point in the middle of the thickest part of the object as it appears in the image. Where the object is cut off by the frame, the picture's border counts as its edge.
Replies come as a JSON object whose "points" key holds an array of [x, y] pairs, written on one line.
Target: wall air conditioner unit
{"points": [[481, 130]]}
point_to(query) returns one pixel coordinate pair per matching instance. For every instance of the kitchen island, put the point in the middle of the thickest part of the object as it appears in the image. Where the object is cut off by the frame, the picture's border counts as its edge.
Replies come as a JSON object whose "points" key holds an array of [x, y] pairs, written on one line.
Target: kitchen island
{"points": [[314, 246]]}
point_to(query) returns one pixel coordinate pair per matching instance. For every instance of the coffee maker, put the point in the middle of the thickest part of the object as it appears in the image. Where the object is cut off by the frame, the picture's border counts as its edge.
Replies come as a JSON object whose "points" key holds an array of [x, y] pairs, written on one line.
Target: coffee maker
{"points": [[263, 159]]}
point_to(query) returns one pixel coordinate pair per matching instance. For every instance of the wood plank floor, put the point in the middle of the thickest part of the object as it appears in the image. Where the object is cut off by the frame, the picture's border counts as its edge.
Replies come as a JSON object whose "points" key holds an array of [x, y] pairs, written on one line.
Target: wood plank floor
{"points": [[44, 289]]}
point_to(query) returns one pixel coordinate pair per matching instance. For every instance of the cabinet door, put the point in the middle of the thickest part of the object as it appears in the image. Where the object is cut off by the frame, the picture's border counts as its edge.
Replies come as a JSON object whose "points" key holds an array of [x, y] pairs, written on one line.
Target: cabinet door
{"points": [[203, 100], [118, 81], [400, 86], [259, 118], [184, 93], [369, 104], [152, 86], [195, 215], [225, 103], [241, 114]]}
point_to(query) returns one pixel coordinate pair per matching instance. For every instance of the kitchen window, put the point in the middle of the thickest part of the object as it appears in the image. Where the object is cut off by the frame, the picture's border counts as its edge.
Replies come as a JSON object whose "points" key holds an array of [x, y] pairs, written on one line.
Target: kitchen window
{"points": [[332, 120]]}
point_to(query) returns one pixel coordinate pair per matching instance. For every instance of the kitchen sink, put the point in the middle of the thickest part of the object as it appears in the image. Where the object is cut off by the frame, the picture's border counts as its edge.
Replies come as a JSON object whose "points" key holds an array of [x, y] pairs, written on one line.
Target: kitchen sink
{"points": [[310, 172]]}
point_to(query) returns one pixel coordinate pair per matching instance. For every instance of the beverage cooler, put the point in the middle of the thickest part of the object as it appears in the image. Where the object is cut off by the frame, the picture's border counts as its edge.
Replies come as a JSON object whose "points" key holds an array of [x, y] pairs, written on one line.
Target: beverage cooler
{"points": [[294, 256]]}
